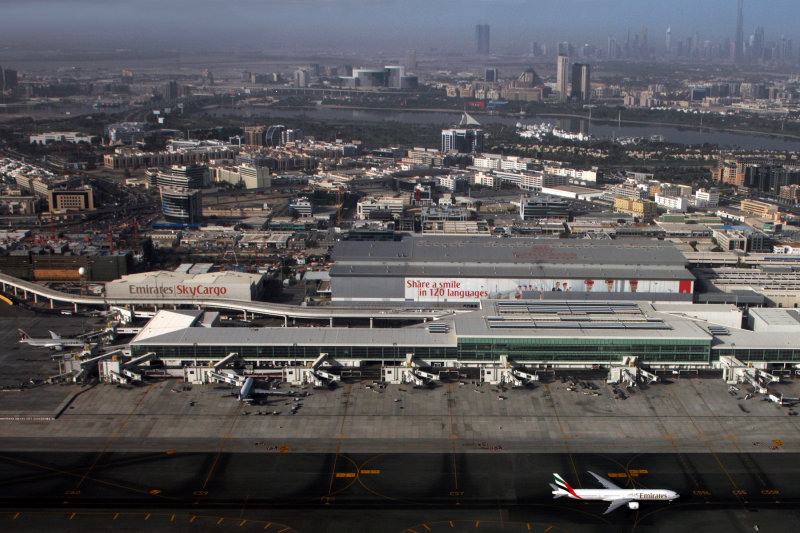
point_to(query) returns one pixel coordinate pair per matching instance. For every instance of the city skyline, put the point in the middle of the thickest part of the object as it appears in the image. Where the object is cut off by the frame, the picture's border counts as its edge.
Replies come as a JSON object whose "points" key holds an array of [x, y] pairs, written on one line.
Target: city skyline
{"points": [[391, 24]]}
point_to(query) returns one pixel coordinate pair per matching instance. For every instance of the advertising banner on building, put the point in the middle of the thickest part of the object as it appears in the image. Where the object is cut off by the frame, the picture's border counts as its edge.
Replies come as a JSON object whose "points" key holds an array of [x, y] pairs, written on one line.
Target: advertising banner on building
{"points": [[475, 289]]}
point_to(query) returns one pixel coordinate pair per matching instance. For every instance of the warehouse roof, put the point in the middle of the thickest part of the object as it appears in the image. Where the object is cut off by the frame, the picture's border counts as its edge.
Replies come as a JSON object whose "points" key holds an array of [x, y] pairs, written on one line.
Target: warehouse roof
{"points": [[480, 249]]}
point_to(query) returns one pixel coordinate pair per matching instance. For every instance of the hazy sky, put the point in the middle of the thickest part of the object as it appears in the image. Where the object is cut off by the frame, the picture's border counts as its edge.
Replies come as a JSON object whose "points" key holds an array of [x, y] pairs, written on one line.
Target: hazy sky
{"points": [[385, 24]]}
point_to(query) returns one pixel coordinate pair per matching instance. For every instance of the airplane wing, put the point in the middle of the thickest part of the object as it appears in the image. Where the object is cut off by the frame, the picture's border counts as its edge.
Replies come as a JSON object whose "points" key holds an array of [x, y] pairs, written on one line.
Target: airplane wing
{"points": [[616, 504], [606, 483]]}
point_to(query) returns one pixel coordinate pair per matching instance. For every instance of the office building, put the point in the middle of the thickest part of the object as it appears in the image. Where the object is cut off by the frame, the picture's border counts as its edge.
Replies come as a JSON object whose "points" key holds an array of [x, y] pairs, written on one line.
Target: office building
{"points": [[181, 206], [301, 78], [581, 82], [274, 135], [411, 60], [71, 200], [462, 140], [540, 207], [490, 75], [8, 79], [181, 176], [738, 52], [482, 39], [643, 209], [254, 135], [562, 77], [171, 91]]}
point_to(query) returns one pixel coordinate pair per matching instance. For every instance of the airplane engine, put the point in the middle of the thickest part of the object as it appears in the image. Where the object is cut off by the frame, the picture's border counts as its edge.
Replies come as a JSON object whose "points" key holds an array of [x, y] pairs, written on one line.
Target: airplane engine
{"points": [[633, 505]]}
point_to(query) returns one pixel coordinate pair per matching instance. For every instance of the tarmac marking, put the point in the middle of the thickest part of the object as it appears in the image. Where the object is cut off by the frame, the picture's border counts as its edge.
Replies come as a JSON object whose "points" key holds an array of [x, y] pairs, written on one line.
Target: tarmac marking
{"points": [[135, 407], [72, 516], [450, 401], [546, 530], [71, 473], [222, 447], [268, 524], [452, 524], [147, 517], [117, 514], [91, 467], [555, 411], [220, 521], [192, 519], [15, 516], [345, 474], [426, 527], [574, 468], [529, 526], [242, 523]]}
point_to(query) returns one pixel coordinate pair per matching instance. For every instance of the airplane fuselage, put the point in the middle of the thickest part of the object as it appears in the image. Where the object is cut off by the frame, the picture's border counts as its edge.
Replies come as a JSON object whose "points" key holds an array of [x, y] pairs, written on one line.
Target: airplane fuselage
{"points": [[608, 495]]}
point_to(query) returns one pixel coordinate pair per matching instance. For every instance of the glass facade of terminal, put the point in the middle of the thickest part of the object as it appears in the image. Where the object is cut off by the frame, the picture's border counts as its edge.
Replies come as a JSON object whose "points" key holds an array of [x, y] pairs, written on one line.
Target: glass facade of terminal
{"points": [[771, 355], [469, 350], [584, 350]]}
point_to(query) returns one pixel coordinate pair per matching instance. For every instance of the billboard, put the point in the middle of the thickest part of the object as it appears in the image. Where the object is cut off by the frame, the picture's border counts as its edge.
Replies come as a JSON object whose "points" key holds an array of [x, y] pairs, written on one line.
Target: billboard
{"points": [[474, 289]]}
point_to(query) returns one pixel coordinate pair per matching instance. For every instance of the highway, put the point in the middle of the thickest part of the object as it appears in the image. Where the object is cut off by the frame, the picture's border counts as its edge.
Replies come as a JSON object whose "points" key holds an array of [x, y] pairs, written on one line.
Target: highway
{"points": [[25, 289]]}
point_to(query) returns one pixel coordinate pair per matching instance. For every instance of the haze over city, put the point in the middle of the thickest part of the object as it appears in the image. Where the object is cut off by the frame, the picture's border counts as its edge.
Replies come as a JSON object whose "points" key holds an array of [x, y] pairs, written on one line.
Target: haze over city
{"points": [[391, 25]]}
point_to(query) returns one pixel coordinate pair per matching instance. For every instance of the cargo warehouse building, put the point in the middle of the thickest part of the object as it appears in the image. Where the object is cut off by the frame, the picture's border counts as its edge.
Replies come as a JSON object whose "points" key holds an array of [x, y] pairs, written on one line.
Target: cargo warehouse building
{"points": [[183, 286], [535, 333], [465, 270]]}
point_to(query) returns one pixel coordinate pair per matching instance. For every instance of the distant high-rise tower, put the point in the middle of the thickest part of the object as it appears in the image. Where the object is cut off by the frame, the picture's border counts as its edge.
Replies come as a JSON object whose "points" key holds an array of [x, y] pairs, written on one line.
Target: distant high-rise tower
{"points": [[562, 77], [581, 82], [668, 42], [171, 91], [482, 38], [411, 61], [738, 52]]}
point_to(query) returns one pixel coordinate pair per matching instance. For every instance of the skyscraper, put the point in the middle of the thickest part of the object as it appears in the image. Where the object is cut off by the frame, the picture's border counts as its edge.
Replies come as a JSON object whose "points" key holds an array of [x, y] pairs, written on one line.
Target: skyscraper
{"points": [[668, 43], [738, 52], [482, 38], [411, 60], [581, 82], [562, 77]]}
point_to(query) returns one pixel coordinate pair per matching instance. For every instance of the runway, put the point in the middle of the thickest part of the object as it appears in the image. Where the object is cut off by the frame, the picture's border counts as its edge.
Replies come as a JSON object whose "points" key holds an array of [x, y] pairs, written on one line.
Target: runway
{"points": [[269, 489]]}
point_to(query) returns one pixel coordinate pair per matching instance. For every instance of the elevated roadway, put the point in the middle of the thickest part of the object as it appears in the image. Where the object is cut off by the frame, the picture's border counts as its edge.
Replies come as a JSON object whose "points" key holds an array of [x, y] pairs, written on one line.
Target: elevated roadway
{"points": [[27, 290]]}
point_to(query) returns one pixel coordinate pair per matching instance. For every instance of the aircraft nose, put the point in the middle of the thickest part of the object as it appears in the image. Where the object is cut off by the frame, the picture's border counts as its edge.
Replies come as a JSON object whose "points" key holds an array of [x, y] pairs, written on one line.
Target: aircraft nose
{"points": [[673, 495]]}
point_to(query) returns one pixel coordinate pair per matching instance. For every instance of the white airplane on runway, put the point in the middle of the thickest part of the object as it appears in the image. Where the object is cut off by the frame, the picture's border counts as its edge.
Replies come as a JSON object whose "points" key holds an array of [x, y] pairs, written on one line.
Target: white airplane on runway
{"points": [[248, 391], [54, 342], [611, 493]]}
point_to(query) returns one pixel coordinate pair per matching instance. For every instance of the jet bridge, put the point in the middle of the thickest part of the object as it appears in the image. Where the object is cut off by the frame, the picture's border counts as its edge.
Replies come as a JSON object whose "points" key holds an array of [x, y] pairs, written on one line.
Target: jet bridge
{"points": [[214, 372], [735, 371], [631, 373], [113, 369], [314, 374], [411, 373], [508, 373]]}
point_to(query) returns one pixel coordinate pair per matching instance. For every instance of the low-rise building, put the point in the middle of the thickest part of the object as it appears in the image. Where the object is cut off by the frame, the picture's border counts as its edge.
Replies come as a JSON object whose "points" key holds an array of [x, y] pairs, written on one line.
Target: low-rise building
{"points": [[638, 208]]}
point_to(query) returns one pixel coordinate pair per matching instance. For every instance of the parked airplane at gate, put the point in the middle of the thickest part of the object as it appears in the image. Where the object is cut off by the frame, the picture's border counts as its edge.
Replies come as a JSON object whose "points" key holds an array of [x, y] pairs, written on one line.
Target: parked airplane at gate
{"points": [[55, 342], [611, 493], [248, 392]]}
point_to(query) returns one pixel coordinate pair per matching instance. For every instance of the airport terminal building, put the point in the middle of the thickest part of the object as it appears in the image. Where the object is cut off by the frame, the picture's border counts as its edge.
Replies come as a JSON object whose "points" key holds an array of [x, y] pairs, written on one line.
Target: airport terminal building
{"points": [[535, 333], [461, 271]]}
